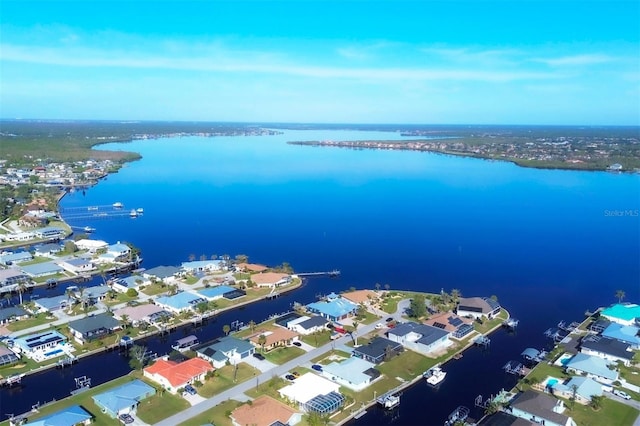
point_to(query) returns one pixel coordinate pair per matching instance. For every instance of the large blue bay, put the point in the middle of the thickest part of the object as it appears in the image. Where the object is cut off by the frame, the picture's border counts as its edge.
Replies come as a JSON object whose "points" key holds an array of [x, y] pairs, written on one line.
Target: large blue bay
{"points": [[544, 241]]}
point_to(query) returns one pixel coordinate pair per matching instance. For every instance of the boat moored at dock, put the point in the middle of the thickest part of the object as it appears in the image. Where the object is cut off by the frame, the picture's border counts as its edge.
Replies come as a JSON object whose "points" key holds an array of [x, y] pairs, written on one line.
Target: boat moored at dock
{"points": [[186, 343], [434, 375]]}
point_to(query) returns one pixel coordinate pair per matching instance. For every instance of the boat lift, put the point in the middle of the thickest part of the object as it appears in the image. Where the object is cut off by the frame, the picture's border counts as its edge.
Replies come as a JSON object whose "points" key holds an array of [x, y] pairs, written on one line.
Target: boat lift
{"points": [[460, 414]]}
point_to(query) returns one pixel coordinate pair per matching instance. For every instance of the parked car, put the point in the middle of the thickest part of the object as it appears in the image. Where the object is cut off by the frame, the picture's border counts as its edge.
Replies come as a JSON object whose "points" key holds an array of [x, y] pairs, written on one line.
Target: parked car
{"points": [[296, 374], [317, 367], [621, 394], [190, 390], [379, 325], [125, 418], [290, 377], [298, 344], [389, 319], [259, 356]]}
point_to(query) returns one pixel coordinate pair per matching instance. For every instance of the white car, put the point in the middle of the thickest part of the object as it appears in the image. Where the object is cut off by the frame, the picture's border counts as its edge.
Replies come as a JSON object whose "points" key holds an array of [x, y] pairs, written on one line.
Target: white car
{"points": [[621, 394], [379, 325]]}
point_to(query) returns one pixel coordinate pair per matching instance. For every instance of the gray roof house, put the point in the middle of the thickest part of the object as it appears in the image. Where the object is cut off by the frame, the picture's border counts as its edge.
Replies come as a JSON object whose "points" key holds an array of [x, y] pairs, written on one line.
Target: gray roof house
{"points": [[224, 349], [12, 276], [540, 408], [607, 348], [42, 269], [163, 273], [419, 337], [12, 313], [477, 307], [93, 327], [54, 303], [377, 350]]}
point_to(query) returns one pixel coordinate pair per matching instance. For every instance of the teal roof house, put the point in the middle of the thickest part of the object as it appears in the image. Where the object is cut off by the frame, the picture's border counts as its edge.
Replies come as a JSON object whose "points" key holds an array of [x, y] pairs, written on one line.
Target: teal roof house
{"points": [[123, 399]]}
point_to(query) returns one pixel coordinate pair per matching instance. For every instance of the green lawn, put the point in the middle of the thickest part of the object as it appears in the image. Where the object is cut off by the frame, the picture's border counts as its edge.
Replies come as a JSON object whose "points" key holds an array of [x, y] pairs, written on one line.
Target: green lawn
{"points": [[218, 415], [155, 289], [281, 355], [611, 413], [317, 339], [191, 280], [223, 379], [488, 325], [630, 374], [160, 406], [29, 322], [35, 260], [407, 365], [270, 387]]}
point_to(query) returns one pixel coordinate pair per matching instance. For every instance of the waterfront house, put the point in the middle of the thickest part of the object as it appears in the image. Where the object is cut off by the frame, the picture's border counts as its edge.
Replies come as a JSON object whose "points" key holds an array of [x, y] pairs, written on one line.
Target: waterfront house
{"points": [[17, 236], [625, 314], [274, 337], [354, 373], [92, 246], [74, 415], [7, 356], [585, 388], [420, 338], [593, 367], [136, 314], [314, 394], [539, 408], [12, 276], [456, 325], [33, 345], [94, 294], [180, 302], [121, 285], [49, 232], [205, 266], [270, 279], [378, 350], [334, 308], [224, 349], [625, 333], [78, 265], [166, 274], [173, 375], [217, 292], [93, 327], [47, 250], [119, 251], [265, 411], [52, 304], [250, 267], [366, 297], [477, 307], [307, 325], [12, 313], [284, 319], [123, 399], [15, 258], [42, 269], [607, 348]]}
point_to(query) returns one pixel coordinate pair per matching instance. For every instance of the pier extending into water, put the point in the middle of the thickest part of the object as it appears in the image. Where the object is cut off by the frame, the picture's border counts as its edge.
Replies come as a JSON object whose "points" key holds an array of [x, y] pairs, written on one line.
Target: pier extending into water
{"points": [[333, 273]]}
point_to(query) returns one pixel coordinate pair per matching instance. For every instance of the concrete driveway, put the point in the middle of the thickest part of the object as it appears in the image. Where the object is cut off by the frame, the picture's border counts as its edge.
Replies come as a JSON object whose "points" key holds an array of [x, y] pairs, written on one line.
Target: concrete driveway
{"points": [[262, 365]]}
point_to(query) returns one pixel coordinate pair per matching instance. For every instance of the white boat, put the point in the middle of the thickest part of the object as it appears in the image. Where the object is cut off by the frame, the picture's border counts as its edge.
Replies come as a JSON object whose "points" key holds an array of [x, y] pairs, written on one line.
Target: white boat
{"points": [[140, 210], [88, 229], [118, 205], [435, 376], [133, 213], [390, 401]]}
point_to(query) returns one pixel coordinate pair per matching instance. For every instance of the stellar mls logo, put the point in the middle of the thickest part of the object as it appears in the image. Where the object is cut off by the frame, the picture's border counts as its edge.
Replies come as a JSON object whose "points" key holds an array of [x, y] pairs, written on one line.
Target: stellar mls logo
{"points": [[621, 213]]}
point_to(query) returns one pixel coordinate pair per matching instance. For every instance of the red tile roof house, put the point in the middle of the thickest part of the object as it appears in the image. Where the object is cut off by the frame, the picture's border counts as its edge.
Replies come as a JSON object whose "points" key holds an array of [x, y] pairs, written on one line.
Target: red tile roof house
{"points": [[251, 267], [172, 375], [270, 279], [265, 411]]}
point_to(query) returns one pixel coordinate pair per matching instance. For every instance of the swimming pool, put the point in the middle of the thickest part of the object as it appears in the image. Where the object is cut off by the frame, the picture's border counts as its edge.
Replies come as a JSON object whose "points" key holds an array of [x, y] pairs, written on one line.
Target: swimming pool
{"points": [[552, 382], [53, 353], [563, 359]]}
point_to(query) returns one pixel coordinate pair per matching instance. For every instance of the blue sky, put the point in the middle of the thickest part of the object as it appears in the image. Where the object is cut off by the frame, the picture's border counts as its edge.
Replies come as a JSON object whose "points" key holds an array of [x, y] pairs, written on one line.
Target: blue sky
{"points": [[448, 62]]}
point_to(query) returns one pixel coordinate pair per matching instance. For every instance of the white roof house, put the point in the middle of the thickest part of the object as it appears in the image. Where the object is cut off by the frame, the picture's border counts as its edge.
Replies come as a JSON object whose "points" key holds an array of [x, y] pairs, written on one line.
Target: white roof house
{"points": [[307, 387], [354, 373], [91, 245]]}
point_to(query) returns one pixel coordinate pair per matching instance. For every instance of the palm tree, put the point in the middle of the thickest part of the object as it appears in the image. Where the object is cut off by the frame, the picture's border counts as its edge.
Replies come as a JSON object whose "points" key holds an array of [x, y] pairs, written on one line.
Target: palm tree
{"points": [[262, 340], [125, 321], [455, 295], [226, 329], [620, 294], [377, 286], [252, 325], [596, 401], [21, 287], [355, 332], [7, 297], [387, 287], [192, 257], [574, 394]]}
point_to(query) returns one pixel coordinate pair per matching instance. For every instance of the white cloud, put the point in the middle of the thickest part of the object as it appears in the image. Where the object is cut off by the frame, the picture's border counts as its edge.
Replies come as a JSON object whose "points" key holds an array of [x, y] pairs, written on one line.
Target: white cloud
{"points": [[577, 60]]}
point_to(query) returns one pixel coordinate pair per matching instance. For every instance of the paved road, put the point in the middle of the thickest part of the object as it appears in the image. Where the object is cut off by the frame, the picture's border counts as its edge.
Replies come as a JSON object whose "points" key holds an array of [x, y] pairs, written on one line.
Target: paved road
{"points": [[268, 375]]}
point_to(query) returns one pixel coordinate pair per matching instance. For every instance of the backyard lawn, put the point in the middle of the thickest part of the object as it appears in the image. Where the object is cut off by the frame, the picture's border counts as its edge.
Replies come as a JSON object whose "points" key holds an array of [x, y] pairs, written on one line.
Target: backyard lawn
{"points": [[160, 406], [281, 355], [224, 379]]}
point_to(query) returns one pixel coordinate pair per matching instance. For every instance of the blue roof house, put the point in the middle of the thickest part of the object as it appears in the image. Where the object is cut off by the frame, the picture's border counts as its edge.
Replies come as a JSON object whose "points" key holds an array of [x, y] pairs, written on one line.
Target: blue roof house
{"points": [[134, 281], [180, 302], [50, 304], [42, 269], [123, 399], [354, 373], [594, 367], [624, 333], [625, 314], [70, 416], [11, 258], [585, 389], [335, 308], [214, 293]]}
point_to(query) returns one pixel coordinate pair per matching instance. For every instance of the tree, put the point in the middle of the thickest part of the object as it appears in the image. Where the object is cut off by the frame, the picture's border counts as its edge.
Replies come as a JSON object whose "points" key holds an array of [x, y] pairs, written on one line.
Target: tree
{"points": [[355, 332], [226, 329], [203, 257], [192, 257], [620, 294], [455, 295], [137, 357], [70, 247], [7, 297], [242, 258], [202, 307], [574, 394], [132, 292], [125, 321], [102, 268], [21, 287], [388, 353], [252, 325], [418, 306], [491, 408], [596, 401], [213, 305], [262, 340], [387, 287], [214, 256], [377, 286]]}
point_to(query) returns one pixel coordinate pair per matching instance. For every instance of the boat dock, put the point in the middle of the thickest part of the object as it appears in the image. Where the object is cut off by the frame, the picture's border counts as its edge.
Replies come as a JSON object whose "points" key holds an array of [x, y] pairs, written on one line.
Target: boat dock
{"points": [[66, 362], [511, 323], [483, 341], [12, 380], [333, 273], [458, 415]]}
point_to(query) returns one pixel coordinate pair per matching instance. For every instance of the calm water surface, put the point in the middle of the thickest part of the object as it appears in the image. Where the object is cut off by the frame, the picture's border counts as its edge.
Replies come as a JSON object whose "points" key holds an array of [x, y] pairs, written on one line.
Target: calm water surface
{"points": [[544, 241]]}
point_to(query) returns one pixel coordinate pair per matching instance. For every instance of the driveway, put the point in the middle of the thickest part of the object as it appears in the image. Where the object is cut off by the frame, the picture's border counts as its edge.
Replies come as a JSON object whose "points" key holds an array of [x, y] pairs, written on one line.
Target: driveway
{"points": [[192, 399], [262, 365]]}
